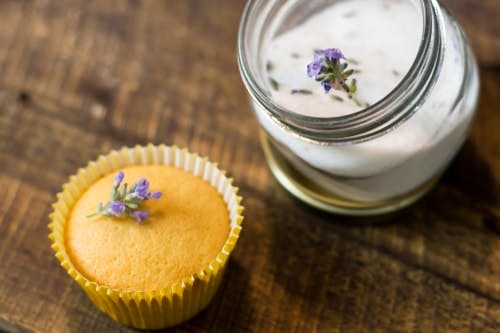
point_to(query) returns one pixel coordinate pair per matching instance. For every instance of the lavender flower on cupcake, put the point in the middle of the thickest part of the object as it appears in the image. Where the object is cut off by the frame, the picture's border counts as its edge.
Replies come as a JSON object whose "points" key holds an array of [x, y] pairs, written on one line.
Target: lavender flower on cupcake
{"points": [[127, 203]]}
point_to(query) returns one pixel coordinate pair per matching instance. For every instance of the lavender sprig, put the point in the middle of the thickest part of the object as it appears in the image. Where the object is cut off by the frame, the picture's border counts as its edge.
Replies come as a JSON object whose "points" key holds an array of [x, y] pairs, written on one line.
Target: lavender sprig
{"points": [[328, 69], [123, 202]]}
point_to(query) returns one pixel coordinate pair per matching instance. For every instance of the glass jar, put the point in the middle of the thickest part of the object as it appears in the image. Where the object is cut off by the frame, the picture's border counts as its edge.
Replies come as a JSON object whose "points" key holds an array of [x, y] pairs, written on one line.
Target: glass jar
{"points": [[386, 155]]}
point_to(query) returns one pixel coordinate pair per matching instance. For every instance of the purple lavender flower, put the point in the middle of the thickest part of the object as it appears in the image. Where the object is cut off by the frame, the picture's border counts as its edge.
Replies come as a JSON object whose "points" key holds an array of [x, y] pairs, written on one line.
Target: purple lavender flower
{"points": [[116, 208], [126, 201], [142, 189], [155, 195], [334, 54], [140, 215], [118, 179], [315, 67], [328, 69], [326, 85]]}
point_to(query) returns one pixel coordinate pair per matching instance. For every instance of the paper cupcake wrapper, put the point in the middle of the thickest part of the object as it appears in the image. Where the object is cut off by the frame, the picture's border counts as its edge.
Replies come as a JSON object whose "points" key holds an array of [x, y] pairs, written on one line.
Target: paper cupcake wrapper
{"points": [[172, 304]]}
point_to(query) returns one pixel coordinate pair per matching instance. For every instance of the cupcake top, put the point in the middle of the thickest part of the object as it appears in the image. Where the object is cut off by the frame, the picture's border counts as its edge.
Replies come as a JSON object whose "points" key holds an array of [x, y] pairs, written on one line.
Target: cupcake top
{"points": [[185, 231]]}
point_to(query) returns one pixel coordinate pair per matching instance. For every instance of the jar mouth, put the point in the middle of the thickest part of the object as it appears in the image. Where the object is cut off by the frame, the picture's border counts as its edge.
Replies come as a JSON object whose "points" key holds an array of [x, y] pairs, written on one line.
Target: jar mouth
{"points": [[375, 120]]}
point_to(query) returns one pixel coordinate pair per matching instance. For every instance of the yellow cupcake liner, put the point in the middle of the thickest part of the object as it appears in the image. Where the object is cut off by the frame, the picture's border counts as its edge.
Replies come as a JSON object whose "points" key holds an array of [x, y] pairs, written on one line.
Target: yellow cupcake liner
{"points": [[175, 303]]}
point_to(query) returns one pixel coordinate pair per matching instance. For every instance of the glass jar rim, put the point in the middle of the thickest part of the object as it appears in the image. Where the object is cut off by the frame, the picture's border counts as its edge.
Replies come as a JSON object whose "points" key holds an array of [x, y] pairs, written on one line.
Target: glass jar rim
{"points": [[368, 123]]}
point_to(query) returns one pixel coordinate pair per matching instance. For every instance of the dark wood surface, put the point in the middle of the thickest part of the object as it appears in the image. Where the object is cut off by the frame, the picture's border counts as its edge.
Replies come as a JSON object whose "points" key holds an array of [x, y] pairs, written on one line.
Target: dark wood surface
{"points": [[80, 78], [480, 20]]}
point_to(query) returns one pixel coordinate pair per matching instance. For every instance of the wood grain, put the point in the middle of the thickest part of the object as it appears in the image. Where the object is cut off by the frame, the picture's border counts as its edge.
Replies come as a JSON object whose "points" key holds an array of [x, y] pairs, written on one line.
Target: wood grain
{"points": [[480, 21], [80, 78]]}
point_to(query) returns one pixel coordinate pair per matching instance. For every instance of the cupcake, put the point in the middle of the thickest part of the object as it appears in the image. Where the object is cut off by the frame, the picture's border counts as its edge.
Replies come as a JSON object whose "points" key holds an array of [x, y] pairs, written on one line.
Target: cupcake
{"points": [[147, 232]]}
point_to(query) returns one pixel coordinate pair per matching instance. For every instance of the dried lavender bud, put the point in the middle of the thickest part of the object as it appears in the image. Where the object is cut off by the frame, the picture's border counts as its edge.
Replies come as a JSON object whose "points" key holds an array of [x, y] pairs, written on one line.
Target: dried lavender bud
{"points": [[301, 92], [295, 55], [315, 67], [352, 88], [155, 195], [140, 215], [142, 188], [331, 54], [358, 103], [118, 179], [269, 66], [274, 84], [326, 85], [337, 98], [352, 61], [116, 208]]}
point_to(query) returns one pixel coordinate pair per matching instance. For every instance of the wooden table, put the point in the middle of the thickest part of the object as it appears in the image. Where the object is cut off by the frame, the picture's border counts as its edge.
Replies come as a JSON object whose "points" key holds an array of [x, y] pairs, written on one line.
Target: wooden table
{"points": [[80, 78]]}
